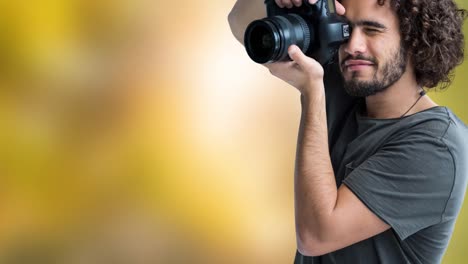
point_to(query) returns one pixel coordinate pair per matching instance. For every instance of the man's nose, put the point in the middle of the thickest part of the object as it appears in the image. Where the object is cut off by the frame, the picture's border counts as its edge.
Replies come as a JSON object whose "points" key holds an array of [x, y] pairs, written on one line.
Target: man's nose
{"points": [[356, 43]]}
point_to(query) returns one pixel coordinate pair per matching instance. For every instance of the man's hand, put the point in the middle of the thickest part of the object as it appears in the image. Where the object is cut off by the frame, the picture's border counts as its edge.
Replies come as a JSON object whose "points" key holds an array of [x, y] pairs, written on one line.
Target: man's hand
{"points": [[302, 72]]}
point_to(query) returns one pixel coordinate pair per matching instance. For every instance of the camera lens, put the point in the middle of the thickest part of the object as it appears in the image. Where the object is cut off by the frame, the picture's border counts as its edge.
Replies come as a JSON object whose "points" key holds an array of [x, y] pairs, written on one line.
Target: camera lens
{"points": [[264, 41], [267, 40]]}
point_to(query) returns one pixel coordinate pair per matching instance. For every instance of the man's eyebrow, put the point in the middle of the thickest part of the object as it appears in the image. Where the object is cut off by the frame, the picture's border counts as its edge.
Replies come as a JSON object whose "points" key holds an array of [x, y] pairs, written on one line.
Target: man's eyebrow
{"points": [[369, 23]]}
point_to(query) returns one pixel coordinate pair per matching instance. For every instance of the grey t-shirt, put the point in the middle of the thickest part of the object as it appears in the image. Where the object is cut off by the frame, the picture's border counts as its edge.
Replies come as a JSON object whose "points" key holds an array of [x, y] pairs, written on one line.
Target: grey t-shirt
{"points": [[411, 172]]}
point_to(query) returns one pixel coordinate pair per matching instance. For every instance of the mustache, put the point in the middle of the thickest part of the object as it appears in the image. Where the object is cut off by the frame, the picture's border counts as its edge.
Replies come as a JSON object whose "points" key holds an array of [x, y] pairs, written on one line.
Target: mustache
{"points": [[358, 57]]}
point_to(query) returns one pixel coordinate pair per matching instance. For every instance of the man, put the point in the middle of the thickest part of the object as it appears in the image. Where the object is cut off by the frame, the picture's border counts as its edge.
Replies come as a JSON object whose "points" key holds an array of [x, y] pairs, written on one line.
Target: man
{"points": [[380, 175]]}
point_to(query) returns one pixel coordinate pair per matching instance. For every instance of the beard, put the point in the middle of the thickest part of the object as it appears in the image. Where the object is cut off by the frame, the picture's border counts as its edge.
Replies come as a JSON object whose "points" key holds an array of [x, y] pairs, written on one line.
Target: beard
{"points": [[391, 73]]}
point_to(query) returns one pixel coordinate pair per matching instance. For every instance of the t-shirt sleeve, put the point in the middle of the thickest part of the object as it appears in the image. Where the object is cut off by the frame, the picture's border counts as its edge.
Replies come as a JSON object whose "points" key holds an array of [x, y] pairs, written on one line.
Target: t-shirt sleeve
{"points": [[407, 183]]}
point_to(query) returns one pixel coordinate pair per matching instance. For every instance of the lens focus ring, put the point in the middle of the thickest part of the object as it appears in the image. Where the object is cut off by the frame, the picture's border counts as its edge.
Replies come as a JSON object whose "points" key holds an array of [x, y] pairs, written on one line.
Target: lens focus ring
{"points": [[305, 31]]}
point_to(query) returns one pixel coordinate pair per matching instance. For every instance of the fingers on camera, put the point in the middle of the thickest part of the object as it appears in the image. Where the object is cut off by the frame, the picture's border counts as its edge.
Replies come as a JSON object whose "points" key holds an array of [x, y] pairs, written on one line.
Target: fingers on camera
{"points": [[297, 2], [279, 3], [288, 3]]}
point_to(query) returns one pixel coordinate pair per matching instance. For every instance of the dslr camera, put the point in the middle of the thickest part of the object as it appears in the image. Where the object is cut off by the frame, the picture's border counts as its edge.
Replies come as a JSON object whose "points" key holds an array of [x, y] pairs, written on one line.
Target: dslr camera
{"points": [[316, 29]]}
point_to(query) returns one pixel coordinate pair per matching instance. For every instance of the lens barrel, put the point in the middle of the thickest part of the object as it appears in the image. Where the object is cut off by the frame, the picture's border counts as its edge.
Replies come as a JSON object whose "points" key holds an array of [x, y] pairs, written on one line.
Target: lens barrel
{"points": [[267, 40]]}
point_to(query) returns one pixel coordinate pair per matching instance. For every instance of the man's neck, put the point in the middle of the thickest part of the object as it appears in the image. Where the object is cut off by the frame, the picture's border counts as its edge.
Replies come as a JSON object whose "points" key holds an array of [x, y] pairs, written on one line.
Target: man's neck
{"points": [[398, 99]]}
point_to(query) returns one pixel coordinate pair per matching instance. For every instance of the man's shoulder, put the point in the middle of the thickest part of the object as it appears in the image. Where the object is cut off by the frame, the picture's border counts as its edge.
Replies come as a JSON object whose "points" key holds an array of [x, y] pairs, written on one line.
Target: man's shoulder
{"points": [[438, 122], [458, 127], [451, 130], [451, 133]]}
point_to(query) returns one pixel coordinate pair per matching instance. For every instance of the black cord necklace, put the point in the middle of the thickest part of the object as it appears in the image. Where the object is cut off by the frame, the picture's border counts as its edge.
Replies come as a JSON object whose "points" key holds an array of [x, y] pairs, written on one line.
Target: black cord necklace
{"points": [[421, 94]]}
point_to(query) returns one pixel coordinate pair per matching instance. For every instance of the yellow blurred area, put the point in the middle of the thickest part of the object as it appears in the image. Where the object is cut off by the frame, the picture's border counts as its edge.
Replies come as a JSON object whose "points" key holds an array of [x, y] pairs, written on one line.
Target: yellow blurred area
{"points": [[138, 131]]}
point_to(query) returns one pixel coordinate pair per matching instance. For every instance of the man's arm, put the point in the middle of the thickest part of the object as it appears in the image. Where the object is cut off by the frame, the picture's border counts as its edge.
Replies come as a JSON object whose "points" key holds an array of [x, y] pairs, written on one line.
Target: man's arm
{"points": [[242, 14], [327, 218]]}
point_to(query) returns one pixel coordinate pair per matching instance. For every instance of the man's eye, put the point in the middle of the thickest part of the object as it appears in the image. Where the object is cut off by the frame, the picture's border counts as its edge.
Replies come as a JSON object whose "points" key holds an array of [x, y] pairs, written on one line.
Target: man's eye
{"points": [[372, 30]]}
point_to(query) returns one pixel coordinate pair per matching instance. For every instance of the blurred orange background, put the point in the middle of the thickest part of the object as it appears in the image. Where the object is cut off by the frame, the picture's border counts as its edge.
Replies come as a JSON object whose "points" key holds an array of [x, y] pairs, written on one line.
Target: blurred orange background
{"points": [[139, 131]]}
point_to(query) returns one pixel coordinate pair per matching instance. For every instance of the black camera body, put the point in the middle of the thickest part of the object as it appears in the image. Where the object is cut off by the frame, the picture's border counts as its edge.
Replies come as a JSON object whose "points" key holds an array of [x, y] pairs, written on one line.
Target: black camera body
{"points": [[316, 29]]}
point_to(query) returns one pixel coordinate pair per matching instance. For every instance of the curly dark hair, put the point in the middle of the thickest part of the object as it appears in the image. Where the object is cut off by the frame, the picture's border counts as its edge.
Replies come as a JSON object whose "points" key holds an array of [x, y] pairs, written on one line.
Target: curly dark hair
{"points": [[432, 34]]}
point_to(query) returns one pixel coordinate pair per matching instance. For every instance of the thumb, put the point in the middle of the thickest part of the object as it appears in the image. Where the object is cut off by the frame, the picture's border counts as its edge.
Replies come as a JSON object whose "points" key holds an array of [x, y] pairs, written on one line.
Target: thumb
{"points": [[306, 64], [298, 56]]}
